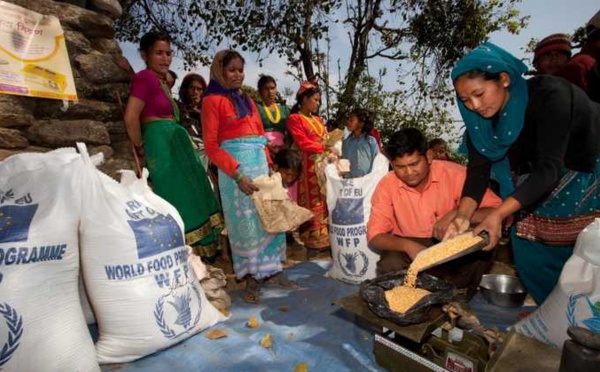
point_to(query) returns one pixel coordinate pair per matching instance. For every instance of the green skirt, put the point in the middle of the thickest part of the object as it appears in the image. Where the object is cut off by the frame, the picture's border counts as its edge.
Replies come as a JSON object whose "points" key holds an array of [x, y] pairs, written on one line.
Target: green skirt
{"points": [[177, 175]]}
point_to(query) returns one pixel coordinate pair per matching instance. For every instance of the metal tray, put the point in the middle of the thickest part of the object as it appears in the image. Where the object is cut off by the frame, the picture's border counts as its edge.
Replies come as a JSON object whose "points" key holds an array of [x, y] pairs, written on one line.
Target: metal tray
{"points": [[465, 252]]}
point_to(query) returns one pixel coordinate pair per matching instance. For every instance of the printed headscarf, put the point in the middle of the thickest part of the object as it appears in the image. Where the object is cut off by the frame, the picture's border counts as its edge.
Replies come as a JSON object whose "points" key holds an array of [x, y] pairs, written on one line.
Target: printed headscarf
{"points": [[217, 86], [494, 142]]}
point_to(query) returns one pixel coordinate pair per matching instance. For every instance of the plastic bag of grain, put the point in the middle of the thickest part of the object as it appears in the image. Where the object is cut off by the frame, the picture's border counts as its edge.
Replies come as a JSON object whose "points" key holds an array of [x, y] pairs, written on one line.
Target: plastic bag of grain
{"points": [[42, 327], [135, 266]]}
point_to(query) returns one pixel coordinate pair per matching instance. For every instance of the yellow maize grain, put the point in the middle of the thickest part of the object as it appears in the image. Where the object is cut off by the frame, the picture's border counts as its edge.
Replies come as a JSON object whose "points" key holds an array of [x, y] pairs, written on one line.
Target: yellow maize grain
{"points": [[401, 298]]}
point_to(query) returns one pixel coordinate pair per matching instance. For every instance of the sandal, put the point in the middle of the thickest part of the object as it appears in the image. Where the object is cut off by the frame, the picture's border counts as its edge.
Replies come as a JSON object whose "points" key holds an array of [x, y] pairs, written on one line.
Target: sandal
{"points": [[280, 280], [251, 293]]}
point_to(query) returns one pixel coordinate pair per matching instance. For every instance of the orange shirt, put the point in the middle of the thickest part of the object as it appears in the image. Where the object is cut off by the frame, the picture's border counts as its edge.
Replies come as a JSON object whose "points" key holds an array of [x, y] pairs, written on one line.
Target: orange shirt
{"points": [[220, 123], [404, 211]]}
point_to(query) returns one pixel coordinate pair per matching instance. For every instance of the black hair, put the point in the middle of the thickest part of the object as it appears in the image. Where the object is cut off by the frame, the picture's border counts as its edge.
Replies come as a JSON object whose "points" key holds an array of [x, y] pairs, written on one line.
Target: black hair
{"points": [[173, 74], [307, 93], [592, 33], [185, 85], [405, 142], [366, 119], [485, 75], [230, 55], [152, 37], [264, 80], [436, 141], [288, 159]]}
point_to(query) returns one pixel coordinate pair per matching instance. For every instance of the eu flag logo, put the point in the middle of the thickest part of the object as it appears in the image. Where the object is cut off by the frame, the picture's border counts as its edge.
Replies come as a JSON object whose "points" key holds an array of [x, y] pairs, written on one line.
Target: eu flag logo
{"points": [[15, 221], [156, 235], [348, 212]]}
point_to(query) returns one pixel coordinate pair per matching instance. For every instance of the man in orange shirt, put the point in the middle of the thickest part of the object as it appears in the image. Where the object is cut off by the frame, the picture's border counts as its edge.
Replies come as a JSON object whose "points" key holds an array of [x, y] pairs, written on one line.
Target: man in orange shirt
{"points": [[414, 204]]}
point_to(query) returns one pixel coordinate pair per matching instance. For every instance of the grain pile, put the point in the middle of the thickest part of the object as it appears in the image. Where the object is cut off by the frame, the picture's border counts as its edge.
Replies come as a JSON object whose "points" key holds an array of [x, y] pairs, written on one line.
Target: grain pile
{"points": [[402, 298]]}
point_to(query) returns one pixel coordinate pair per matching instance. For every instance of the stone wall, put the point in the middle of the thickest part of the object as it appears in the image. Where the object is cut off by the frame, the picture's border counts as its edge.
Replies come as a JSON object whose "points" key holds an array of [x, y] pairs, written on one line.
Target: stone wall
{"points": [[100, 72]]}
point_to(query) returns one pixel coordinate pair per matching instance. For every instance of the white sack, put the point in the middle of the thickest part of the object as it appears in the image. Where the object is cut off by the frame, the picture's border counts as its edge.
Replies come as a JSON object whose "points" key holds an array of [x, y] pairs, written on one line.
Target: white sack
{"points": [[135, 264], [42, 327], [575, 301], [349, 204]]}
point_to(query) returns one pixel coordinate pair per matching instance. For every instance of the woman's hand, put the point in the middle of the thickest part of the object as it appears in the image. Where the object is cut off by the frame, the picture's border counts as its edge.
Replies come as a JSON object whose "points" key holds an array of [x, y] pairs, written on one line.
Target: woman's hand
{"points": [[441, 226], [493, 225], [458, 225], [332, 154], [246, 186]]}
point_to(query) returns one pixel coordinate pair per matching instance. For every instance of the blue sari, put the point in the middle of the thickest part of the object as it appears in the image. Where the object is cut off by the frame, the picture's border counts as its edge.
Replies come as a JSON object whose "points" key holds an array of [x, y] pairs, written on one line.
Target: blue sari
{"points": [[255, 252]]}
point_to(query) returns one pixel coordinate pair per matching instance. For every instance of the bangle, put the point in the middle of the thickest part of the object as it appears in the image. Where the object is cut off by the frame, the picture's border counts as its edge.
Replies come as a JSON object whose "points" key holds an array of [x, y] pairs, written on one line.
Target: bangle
{"points": [[239, 177]]}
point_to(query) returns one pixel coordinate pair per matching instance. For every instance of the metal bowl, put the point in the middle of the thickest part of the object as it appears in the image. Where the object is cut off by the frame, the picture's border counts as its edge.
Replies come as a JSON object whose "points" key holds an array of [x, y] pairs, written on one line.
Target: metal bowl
{"points": [[503, 290]]}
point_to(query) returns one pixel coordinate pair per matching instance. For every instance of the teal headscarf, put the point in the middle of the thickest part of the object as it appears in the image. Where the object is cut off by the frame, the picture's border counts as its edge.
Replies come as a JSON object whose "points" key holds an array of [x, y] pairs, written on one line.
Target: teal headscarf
{"points": [[494, 143]]}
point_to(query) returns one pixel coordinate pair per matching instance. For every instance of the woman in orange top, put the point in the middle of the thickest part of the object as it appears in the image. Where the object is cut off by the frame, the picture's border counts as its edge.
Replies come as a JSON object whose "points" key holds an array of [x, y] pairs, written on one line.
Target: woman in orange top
{"points": [[309, 133], [234, 141]]}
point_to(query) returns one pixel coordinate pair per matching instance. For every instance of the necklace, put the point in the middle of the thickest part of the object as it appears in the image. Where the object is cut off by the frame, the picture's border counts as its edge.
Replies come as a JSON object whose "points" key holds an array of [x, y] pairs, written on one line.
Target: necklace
{"points": [[316, 125], [277, 113]]}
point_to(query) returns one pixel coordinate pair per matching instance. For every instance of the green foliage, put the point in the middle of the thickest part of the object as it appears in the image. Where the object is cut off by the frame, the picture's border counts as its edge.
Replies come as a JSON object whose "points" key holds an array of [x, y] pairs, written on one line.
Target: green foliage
{"points": [[427, 36]]}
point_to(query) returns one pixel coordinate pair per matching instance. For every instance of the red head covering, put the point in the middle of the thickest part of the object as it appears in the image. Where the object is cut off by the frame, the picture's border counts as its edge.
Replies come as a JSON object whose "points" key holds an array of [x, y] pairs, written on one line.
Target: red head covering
{"points": [[305, 86], [552, 43]]}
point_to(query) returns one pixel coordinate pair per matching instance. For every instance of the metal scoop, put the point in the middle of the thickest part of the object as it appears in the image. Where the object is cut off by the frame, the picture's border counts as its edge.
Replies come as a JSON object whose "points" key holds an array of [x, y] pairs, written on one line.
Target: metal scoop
{"points": [[473, 248]]}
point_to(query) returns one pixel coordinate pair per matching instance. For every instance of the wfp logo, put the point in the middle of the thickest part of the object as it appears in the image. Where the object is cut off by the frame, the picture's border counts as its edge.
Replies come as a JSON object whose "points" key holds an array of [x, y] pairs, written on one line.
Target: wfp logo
{"points": [[353, 263], [15, 221], [178, 311], [593, 322], [14, 327], [156, 235], [348, 212]]}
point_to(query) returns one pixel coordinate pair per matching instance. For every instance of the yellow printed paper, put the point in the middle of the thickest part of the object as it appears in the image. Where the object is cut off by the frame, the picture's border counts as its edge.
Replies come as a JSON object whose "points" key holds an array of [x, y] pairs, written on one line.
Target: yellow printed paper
{"points": [[33, 55]]}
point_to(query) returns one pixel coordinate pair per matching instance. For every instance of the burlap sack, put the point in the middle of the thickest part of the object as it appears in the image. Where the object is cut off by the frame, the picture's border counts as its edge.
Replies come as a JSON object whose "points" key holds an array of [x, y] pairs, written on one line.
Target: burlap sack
{"points": [[277, 212]]}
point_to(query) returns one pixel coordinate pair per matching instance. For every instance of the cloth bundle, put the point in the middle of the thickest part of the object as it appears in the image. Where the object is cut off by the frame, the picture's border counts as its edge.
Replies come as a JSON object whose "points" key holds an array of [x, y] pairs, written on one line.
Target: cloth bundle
{"points": [[277, 212], [213, 281]]}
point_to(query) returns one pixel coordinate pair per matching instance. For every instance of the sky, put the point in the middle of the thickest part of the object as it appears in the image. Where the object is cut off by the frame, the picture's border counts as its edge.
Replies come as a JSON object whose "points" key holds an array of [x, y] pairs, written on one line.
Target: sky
{"points": [[546, 17]]}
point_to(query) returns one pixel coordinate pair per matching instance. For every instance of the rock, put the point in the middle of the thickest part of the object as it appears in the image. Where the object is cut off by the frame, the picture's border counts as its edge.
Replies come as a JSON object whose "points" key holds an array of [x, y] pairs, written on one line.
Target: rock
{"points": [[107, 46], [12, 139], [65, 133], [83, 109], [122, 149], [107, 151], [77, 43], [116, 127], [84, 88], [17, 111], [108, 92], [114, 165], [73, 17], [111, 6], [100, 68]]}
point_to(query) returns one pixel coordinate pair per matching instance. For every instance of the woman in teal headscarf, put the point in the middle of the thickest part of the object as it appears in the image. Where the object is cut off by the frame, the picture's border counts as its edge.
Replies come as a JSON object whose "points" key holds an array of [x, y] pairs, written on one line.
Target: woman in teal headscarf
{"points": [[540, 139]]}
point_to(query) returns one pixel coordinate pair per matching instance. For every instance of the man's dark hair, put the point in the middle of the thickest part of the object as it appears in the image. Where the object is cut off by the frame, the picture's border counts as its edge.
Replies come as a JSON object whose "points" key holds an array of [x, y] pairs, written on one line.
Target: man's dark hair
{"points": [[405, 142], [173, 74]]}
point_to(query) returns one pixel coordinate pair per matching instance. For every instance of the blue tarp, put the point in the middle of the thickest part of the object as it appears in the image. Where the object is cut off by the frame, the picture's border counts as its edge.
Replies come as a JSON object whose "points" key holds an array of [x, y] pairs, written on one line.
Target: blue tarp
{"points": [[304, 324], [305, 327]]}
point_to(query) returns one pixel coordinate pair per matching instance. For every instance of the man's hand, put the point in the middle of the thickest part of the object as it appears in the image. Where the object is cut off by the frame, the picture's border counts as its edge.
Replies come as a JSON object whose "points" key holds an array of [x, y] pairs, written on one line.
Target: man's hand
{"points": [[493, 225], [440, 227], [412, 249]]}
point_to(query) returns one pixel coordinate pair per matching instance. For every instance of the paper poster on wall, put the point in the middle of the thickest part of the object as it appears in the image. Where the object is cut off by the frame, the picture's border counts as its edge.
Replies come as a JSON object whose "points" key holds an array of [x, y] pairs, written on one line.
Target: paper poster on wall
{"points": [[33, 55]]}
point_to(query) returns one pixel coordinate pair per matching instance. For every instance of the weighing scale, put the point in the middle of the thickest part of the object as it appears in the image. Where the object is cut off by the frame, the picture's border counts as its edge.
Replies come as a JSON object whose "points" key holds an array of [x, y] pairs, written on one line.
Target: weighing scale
{"points": [[424, 347]]}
